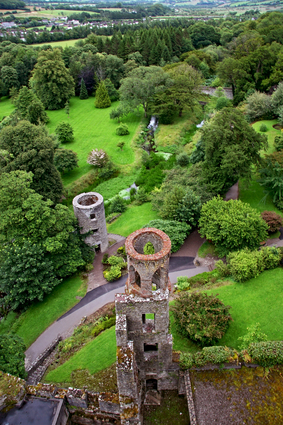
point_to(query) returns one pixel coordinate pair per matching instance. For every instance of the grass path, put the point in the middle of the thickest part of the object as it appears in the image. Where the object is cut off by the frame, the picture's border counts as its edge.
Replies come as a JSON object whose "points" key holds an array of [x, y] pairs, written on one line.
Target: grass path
{"points": [[94, 129]]}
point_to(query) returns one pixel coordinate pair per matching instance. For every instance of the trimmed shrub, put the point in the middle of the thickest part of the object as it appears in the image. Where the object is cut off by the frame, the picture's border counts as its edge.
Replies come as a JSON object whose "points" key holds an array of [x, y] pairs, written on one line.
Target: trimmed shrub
{"points": [[65, 132], [263, 128], [202, 318], [183, 283], [212, 355], [267, 353], [105, 258], [273, 220], [245, 264], [271, 257], [122, 251], [122, 130], [222, 268], [116, 261], [113, 273], [117, 205]]}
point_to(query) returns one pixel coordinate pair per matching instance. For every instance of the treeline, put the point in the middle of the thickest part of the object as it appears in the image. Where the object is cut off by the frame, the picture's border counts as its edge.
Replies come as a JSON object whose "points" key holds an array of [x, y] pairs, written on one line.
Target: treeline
{"points": [[12, 4]]}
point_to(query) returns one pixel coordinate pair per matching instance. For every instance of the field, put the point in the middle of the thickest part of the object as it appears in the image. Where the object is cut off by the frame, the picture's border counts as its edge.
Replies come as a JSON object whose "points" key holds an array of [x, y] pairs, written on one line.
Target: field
{"points": [[94, 129], [64, 43], [42, 314], [50, 13]]}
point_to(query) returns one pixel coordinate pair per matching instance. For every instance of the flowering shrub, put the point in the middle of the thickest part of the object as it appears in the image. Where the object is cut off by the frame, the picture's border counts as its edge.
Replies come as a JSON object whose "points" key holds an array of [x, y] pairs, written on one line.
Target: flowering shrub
{"points": [[98, 158]]}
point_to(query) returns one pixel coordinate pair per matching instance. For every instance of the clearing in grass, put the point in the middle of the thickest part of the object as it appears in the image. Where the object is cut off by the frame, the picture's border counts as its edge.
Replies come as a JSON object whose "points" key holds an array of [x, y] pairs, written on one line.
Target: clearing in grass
{"points": [[94, 356], [132, 219], [42, 314]]}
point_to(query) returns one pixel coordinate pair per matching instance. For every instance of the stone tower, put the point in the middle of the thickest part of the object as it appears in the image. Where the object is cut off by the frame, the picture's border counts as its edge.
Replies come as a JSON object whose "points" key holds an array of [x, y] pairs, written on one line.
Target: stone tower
{"points": [[89, 210], [142, 325]]}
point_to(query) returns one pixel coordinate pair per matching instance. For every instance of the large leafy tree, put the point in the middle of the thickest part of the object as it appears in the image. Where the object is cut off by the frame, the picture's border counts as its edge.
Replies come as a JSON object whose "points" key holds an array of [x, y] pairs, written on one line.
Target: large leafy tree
{"points": [[231, 147], [51, 80], [232, 225], [12, 355], [29, 107], [142, 84], [40, 244], [29, 147]]}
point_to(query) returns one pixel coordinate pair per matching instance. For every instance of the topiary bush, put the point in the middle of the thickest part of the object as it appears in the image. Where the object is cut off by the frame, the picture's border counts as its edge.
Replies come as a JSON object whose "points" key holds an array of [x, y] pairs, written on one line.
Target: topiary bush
{"points": [[263, 128], [122, 130], [273, 220], [202, 318], [183, 283]]}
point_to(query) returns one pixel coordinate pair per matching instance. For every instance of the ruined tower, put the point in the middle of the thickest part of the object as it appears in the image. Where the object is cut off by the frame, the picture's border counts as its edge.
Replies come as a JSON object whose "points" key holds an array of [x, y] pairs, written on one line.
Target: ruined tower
{"points": [[144, 345], [89, 210]]}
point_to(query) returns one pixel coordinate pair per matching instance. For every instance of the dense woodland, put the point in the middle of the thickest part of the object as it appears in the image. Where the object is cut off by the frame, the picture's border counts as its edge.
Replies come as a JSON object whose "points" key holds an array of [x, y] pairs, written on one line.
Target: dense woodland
{"points": [[153, 69]]}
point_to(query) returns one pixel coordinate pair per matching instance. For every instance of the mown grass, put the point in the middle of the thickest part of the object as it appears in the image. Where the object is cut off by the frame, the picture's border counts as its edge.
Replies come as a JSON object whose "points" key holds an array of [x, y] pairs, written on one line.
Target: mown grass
{"points": [[63, 43], [94, 129], [270, 133], [42, 314], [94, 356], [258, 300], [205, 249], [133, 219], [6, 107], [256, 196]]}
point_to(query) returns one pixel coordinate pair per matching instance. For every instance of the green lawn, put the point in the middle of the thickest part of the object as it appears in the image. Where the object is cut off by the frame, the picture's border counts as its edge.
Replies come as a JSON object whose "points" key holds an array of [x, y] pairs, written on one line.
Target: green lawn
{"points": [[6, 107], [255, 196], [258, 300], [42, 314], [112, 187], [94, 356], [63, 43], [94, 129], [133, 219], [270, 133]]}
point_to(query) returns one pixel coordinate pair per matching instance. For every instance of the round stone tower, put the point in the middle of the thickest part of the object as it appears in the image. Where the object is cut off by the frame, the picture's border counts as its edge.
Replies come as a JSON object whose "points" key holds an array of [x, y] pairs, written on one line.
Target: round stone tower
{"points": [[147, 273], [89, 210]]}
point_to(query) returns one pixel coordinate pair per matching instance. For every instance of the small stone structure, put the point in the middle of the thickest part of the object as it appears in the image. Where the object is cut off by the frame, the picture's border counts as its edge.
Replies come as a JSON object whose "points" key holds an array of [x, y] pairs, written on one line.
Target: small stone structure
{"points": [[89, 210], [144, 345]]}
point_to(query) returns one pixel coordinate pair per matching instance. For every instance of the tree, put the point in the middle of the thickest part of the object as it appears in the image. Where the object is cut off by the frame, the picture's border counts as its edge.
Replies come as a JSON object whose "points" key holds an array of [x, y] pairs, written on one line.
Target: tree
{"points": [[202, 318], [277, 98], [185, 90], [231, 147], [176, 231], [65, 160], [141, 86], [9, 77], [121, 145], [259, 106], [83, 90], [12, 355], [29, 107], [232, 225], [117, 205], [30, 148], [65, 132], [36, 113], [271, 177], [102, 99], [45, 238], [98, 158], [112, 92], [51, 80]]}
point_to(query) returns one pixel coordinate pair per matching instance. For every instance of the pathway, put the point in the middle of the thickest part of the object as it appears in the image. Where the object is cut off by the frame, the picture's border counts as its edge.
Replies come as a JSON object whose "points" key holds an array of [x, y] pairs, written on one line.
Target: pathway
{"points": [[180, 265]]}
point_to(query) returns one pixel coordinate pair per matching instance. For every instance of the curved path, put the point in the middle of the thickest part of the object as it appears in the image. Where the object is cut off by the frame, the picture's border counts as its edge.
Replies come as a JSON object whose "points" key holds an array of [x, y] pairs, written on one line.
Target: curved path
{"points": [[98, 297]]}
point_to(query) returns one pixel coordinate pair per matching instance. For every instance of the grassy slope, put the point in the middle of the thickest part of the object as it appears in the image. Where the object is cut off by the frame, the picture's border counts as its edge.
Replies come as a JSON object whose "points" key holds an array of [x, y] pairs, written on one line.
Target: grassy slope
{"points": [[42, 314], [271, 132], [111, 188], [133, 219], [94, 356], [94, 129]]}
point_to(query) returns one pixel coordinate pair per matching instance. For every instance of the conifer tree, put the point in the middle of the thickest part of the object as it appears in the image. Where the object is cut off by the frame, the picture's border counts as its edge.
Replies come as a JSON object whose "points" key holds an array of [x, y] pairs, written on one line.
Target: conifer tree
{"points": [[83, 91], [102, 99]]}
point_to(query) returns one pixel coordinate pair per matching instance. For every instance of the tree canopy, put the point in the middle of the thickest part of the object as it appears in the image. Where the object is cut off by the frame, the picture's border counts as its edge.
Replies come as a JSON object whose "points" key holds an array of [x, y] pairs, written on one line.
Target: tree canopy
{"points": [[29, 147], [231, 147], [51, 80]]}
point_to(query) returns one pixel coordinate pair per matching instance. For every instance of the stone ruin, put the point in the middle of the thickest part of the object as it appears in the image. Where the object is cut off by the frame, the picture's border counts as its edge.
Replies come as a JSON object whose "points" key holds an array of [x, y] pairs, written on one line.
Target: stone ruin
{"points": [[89, 210], [144, 344]]}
